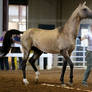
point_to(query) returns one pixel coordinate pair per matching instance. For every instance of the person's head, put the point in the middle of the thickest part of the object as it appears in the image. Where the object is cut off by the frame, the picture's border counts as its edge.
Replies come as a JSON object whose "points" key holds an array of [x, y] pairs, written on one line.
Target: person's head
{"points": [[3, 33]]}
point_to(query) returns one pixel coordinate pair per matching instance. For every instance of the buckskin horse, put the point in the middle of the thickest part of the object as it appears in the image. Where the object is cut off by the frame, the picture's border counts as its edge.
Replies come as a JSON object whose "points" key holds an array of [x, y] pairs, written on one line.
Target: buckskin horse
{"points": [[58, 41]]}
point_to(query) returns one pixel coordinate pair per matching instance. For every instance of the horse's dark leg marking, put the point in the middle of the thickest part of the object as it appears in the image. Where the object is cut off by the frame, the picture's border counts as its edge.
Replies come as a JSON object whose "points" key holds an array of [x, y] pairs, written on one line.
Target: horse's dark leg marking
{"points": [[32, 62], [67, 58], [71, 70], [63, 71], [26, 55], [35, 56], [23, 68]]}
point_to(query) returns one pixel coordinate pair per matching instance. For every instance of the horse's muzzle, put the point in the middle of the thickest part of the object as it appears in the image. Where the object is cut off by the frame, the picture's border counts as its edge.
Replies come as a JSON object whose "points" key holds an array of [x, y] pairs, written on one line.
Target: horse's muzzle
{"points": [[90, 15]]}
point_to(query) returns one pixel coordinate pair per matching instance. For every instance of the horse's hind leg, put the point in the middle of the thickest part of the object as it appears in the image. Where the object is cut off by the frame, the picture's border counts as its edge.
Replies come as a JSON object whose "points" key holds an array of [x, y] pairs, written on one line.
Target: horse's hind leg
{"points": [[26, 50], [26, 54], [32, 60]]}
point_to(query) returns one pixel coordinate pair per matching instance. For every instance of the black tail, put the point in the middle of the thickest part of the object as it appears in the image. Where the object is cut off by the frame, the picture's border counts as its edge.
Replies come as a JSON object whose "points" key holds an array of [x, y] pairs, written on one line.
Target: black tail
{"points": [[7, 42]]}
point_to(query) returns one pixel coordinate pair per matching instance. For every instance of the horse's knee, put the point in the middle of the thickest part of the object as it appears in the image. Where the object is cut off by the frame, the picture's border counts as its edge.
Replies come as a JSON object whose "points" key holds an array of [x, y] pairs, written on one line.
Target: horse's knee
{"points": [[23, 65], [65, 63], [31, 61], [64, 66], [71, 65]]}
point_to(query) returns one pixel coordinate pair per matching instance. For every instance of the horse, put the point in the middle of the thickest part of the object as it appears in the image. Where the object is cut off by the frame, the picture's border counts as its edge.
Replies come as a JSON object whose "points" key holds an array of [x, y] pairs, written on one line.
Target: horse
{"points": [[8, 41], [60, 40], [57, 41]]}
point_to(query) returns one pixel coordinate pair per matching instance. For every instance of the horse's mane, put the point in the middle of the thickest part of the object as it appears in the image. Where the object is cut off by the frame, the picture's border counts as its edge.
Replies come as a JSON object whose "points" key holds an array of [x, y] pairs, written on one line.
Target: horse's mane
{"points": [[7, 41]]}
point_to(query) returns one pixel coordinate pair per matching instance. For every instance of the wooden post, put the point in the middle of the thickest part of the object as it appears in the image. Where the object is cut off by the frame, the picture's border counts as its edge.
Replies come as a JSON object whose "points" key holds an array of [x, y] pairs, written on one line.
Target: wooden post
{"points": [[5, 15], [1, 16]]}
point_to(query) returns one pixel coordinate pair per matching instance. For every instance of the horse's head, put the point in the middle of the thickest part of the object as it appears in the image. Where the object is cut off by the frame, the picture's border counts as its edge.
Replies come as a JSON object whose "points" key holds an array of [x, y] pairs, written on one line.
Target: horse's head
{"points": [[84, 11]]}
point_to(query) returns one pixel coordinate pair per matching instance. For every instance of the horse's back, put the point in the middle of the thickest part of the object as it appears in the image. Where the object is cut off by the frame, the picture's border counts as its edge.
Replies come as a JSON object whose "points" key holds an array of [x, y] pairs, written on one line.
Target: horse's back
{"points": [[45, 40]]}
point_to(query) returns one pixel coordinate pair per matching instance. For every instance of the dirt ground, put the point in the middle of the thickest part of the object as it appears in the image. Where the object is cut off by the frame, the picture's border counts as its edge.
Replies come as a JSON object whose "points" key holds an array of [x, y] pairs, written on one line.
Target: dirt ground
{"points": [[11, 81]]}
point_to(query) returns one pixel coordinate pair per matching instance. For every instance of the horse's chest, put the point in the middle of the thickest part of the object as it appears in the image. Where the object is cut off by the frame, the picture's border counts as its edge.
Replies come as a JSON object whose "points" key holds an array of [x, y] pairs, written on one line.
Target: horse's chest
{"points": [[65, 43]]}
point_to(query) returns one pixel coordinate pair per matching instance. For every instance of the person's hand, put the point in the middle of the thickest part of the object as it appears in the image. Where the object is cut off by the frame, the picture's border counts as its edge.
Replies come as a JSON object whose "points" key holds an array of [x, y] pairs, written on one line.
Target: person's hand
{"points": [[79, 38]]}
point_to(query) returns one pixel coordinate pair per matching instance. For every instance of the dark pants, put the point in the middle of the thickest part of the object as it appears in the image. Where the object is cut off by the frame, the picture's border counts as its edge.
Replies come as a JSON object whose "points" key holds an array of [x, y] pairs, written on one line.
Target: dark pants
{"points": [[89, 65], [13, 64], [87, 72], [1, 64], [4, 63], [16, 50], [20, 62]]}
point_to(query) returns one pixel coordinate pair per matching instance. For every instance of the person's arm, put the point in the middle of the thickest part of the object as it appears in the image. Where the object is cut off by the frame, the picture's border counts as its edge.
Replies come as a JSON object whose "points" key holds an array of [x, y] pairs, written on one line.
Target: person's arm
{"points": [[83, 38]]}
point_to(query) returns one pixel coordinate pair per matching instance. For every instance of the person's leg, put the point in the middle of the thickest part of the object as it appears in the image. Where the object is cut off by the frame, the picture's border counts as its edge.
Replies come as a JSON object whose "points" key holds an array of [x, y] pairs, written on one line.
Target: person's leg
{"points": [[6, 63], [20, 62], [13, 64], [86, 75], [1, 64]]}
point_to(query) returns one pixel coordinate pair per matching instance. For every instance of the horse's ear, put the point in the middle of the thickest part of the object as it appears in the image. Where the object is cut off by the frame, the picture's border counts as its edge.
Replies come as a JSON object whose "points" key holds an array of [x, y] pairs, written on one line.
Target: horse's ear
{"points": [[84, 3], [80, 5]]}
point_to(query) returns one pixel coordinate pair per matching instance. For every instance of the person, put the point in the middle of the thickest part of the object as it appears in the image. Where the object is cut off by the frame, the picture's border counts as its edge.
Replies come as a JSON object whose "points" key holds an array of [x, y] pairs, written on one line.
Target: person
{"points": [[8, 41], [88, 58], [3, 60], [16, 39]]}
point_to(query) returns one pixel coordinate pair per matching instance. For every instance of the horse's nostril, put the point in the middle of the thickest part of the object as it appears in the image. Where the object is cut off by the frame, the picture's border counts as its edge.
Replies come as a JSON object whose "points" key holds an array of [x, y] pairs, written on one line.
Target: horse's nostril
{"points": [[91, 15]]}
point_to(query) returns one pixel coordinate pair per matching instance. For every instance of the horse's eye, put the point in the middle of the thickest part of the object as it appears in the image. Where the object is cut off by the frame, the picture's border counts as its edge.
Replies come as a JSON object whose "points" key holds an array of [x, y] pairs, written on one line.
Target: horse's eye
{"points": [[84, 9]]}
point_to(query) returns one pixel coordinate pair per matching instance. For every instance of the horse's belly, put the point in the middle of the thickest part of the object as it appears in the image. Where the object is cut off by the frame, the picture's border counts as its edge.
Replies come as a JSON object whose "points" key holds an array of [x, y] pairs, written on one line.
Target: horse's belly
{"points": [[48, 46], [49, 50], [46, 41]]}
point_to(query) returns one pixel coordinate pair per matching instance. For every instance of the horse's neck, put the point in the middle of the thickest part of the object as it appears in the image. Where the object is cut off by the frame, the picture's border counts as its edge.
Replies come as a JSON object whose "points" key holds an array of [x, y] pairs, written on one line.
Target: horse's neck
{"points": [[76, 24], [72, 25]]}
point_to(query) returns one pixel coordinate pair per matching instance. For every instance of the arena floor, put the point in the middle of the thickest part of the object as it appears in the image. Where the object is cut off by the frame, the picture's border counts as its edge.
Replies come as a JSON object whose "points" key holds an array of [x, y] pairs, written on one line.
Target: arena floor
{"points": [[11, 81]]}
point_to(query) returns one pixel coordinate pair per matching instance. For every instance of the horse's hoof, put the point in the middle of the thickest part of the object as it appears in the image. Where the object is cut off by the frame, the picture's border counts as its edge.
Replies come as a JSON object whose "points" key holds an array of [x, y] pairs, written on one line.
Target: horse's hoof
{"points": [[37, 73], [37, 77], [63, 85], [25, 81], [70, 84], [36, 80]]}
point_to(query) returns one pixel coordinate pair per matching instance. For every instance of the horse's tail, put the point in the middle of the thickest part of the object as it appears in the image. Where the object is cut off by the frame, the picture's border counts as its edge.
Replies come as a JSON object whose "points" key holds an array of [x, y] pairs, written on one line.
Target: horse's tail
{"points": [[7, 41]]}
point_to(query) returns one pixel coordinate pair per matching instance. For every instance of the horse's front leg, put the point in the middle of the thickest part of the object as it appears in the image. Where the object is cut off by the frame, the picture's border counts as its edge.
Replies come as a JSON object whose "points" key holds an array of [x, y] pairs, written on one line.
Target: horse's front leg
{"points": [[63, 71], [71, 71], [67, 59]]}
